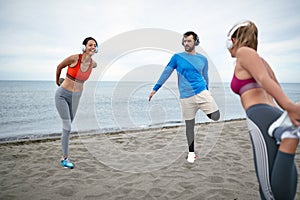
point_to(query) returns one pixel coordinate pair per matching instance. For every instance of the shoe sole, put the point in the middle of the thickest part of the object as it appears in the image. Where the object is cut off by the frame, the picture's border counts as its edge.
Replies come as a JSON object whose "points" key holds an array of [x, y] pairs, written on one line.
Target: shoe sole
{"points": [[68, 167], [276, 124]]}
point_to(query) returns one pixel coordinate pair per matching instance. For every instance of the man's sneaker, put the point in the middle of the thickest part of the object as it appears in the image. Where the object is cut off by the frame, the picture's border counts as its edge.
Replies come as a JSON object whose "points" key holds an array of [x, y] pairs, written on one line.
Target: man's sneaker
{"points": [[66, 163], [191, 157]]}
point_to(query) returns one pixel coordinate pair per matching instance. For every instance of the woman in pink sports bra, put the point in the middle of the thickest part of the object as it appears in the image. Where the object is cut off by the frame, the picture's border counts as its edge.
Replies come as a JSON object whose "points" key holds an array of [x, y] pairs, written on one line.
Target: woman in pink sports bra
{"points": [[274, 148]]}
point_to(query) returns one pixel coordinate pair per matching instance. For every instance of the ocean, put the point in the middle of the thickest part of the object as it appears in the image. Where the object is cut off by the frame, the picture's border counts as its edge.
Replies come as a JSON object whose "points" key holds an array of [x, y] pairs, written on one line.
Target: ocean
{"points": [[28, 108]]}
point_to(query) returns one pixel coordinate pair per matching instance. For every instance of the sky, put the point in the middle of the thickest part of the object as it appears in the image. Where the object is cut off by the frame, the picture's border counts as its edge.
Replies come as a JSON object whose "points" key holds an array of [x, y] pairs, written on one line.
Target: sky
{"points": [[36, 35]]}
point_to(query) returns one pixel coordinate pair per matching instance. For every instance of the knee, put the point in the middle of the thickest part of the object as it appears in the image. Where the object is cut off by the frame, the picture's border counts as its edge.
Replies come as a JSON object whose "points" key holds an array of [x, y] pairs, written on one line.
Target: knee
{"points": [[214, 116], [67, 125]]}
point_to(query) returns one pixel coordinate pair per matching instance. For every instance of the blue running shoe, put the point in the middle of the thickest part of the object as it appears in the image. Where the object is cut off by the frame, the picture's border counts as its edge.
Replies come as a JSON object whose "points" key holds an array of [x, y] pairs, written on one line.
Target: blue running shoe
{"points": [[66, 163]]}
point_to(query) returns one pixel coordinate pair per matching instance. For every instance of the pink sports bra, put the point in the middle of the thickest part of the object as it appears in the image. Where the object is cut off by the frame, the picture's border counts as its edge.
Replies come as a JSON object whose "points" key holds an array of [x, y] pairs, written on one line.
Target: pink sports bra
{"points": [[240, 86]]}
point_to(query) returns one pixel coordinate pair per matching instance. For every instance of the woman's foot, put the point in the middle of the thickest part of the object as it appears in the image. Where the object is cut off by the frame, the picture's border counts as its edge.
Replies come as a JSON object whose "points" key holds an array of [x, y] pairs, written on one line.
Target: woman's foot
{"points": [[66, 163], [283, 128]]}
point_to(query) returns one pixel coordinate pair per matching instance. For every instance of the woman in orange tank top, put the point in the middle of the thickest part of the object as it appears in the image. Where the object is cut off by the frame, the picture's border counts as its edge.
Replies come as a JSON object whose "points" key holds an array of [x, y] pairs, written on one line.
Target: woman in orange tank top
{"points": [[69, 92]]}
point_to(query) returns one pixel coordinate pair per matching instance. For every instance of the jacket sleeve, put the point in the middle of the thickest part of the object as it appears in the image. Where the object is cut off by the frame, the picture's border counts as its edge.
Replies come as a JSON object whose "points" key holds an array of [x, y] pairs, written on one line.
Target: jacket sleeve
{"points": [[166, 73]]}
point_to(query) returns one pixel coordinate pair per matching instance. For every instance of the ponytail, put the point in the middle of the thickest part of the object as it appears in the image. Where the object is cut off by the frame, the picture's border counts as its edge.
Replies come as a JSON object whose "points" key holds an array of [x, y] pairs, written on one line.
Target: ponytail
{"points": [[246, 36]]}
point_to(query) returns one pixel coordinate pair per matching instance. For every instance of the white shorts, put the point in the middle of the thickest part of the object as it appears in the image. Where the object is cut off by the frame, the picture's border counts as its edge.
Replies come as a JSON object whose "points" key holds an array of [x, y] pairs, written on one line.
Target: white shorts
{"points": [[203, 101]]}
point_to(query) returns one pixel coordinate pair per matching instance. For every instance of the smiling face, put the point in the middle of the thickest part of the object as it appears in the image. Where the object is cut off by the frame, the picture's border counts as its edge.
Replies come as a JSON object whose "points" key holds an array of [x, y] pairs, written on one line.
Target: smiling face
{"points": [[189, 43], [91, 47]]}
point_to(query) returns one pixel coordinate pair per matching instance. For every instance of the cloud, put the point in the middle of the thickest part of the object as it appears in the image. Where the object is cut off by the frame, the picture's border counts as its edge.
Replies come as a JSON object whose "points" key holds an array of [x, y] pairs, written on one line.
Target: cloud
{"points": [[142, 65], [42, 33], [283, 56]]}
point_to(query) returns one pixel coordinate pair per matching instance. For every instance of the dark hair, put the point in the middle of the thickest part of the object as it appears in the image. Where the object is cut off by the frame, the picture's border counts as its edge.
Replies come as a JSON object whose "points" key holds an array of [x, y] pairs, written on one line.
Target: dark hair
{"points": [[85, 41], [195, 36]]}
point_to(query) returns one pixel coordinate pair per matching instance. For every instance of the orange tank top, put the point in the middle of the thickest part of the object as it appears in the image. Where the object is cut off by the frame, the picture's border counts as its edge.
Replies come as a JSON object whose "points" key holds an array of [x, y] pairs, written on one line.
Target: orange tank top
{"points": [[75, 73]]}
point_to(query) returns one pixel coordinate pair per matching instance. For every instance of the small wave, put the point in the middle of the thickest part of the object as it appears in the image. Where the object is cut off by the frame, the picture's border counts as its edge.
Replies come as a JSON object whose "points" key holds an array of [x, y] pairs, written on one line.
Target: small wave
{"points": [[167, 123]]}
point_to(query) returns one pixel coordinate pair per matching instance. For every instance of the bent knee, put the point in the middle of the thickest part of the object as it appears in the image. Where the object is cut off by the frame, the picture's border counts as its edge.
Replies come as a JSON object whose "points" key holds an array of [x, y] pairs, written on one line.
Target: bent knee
{"points": [[214, 116]]}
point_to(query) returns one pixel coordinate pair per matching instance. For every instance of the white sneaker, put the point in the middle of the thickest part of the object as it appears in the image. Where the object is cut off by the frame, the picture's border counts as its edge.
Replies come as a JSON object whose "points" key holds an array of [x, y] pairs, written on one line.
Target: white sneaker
{"points": [[287, 128], [283, 120], [191, 157]]}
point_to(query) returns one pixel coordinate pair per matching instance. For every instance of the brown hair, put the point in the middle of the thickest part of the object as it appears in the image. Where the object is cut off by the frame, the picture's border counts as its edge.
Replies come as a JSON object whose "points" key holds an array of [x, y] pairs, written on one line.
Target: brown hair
{"points": [[246, 35]]}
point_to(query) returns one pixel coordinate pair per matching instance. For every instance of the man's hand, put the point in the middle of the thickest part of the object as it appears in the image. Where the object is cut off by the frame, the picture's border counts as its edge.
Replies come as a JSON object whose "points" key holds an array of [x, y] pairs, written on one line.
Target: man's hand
{"points": [[151, 95]]}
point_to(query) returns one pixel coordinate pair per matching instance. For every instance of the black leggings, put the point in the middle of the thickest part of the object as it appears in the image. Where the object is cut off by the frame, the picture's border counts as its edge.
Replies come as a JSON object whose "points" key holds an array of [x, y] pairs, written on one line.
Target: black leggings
{"points": [[275, 170]]}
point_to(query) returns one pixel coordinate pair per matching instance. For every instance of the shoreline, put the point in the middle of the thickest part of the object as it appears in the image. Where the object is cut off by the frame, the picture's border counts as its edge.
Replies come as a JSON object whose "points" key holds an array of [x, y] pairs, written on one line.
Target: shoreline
{"points": [[31, 138]]}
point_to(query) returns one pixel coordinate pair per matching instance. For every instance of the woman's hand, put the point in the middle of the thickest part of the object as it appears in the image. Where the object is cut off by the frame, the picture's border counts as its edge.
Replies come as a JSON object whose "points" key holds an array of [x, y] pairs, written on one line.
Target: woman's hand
{"points": [[294, 113]]}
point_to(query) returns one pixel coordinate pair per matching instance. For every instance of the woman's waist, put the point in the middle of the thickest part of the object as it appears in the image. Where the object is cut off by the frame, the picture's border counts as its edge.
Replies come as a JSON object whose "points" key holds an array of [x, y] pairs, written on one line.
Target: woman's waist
{"points": [[254, 97], [71, 85]]}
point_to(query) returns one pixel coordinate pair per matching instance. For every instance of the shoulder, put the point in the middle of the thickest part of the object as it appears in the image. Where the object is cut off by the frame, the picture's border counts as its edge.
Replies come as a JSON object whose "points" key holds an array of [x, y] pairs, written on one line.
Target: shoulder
{"points": [[69, 61], [73, 58], [249, 60], [246, 55], [176, 56], [181, 55], [201, 56], [246, 51]]}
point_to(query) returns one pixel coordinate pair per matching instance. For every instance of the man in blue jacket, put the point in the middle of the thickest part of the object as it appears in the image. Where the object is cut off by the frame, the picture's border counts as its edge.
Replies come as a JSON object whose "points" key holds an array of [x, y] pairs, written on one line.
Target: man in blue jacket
{"points": [[192, 72]]}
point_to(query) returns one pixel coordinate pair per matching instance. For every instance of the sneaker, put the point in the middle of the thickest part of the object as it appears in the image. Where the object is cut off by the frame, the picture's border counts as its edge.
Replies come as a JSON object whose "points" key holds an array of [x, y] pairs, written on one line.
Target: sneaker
{"points": [[283, 120], [66, 163], [191, 157], [285, 128]]}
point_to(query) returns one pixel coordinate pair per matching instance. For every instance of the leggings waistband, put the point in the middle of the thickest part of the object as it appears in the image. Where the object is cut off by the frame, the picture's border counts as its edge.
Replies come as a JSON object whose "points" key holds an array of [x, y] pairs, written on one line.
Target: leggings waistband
{"points": [[257, 107], [69, 92]]}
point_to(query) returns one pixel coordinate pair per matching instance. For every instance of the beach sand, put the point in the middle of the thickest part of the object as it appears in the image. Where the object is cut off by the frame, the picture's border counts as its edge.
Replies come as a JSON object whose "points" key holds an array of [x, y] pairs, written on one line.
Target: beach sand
{"points": [[147, 164]]}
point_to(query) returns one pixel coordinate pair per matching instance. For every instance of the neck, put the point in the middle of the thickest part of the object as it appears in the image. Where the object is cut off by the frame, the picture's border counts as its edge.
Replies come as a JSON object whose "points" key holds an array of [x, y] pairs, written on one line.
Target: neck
{"points": [[191, 52], [86, 57]]}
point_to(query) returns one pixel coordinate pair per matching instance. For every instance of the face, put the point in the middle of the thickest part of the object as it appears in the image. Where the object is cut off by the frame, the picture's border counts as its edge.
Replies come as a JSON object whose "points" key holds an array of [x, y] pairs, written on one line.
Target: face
{"points": [[91, 47], [189, 43]]}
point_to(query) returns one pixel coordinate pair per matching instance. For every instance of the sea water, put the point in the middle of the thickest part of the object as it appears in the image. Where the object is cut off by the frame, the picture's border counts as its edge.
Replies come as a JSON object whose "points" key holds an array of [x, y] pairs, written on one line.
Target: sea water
{"points": [[27, 108]]}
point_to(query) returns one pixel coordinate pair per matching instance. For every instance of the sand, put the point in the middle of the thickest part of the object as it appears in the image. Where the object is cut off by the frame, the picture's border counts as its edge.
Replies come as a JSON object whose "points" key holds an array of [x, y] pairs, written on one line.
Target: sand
{"points": [[147, 164]]}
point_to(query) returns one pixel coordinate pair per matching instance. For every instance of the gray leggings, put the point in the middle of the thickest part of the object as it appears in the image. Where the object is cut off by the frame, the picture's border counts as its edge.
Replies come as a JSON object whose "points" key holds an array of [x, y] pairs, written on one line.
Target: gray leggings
{"points": [[190, 125], [275, 170], [66, 104]]}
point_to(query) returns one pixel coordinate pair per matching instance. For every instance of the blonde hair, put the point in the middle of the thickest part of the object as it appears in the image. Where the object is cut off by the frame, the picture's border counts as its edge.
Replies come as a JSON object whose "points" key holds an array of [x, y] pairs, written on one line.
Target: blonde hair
{"points": [[245, 35]]}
